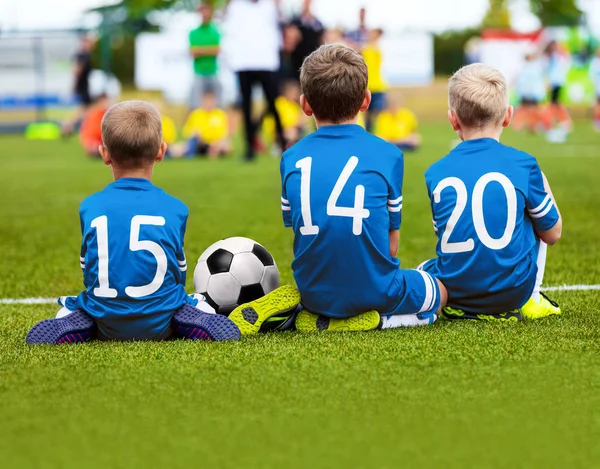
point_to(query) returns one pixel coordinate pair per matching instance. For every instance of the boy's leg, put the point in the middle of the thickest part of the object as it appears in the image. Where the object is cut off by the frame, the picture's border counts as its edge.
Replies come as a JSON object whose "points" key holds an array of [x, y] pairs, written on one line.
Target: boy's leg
{"points": [[283, 302], [198, 321], [539, 305], [74, 327]]}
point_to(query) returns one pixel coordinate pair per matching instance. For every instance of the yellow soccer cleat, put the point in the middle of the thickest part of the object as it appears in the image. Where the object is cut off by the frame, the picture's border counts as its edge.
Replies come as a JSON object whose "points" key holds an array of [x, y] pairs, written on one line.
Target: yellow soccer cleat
{"points": [[309, 322], [250, 317], [540, 309]]}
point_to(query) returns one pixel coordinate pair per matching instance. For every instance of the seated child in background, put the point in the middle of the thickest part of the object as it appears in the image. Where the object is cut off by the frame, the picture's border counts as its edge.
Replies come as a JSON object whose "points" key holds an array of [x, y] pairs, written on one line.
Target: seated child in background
{"points": [[90, 133], [531, 89], [342, 195], [290, 113], [493, 210], [377, 85], [132, 257], [398, 126], [207, 130], [595, 76]]}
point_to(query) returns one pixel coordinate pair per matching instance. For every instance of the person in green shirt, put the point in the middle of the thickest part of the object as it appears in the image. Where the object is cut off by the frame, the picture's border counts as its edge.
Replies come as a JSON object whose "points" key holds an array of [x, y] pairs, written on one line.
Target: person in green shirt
{"points": [[204, 47]]}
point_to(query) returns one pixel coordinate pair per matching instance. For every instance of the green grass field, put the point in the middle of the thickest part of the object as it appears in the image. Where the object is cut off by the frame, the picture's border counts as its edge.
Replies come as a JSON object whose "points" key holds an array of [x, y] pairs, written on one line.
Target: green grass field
{"points": [[451, 395]]}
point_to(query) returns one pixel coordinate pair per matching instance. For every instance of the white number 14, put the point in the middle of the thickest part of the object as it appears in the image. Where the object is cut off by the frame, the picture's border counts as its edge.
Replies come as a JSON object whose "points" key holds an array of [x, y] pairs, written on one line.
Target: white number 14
{"points": [[358, 213]]}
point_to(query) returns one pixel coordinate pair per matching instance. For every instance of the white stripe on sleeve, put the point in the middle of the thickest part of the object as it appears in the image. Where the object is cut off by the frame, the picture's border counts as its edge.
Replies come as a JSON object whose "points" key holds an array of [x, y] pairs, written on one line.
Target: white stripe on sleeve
{"points": [[285, 201], [395, 201], [395, 209], [544, 213], [540, 207], [286, 208]]}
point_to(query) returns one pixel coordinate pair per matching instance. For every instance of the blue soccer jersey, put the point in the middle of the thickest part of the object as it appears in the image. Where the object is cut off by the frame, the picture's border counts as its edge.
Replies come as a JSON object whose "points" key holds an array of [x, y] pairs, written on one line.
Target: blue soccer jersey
{"points": [[342, 194], [488, 201], [134, 266]]}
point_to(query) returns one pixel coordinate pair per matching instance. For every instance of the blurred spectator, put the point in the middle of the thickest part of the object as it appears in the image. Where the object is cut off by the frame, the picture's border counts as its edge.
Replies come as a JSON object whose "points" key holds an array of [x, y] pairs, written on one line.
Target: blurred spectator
{"points": [[82, 69], [206, 130], [399, 126], [292, 117], [595, 76], [335, 36], [558, 68], [359, 37], [377, 85], [90, 133], [254, 48], [530, 88], [310, 37], [205, 47]]}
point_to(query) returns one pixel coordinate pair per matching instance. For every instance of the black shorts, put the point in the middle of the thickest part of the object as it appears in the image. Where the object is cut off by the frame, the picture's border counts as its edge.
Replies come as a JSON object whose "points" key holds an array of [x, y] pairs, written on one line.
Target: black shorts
{"points": [[555, 95]]}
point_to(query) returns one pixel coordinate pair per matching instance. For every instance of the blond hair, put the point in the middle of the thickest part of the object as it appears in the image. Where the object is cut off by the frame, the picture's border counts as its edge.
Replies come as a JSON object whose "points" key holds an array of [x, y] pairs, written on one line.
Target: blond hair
{"points": [[132, 133], [334, 81], [479, 95]]}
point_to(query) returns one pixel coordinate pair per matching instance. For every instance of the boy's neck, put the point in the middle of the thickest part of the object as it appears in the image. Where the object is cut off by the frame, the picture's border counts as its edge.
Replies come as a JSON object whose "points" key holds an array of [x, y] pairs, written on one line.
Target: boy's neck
{"points": [[488, 132], [321, 123], [137, 173]]}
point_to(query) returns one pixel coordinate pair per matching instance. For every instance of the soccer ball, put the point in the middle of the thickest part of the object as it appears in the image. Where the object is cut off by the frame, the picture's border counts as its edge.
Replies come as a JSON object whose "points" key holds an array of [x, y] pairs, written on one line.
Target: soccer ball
{"points": [[234, 271]]}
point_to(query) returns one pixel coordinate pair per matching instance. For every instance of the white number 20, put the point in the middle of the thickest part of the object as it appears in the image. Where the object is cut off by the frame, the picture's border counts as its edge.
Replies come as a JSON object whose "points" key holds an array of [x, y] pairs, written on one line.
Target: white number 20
{"points": [[358, 213], [135, 244], [477, 212]]}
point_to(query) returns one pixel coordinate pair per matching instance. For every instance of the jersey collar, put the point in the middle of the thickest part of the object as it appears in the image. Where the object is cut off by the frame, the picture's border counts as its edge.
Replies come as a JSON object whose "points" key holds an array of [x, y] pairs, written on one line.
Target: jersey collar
{"points": [[137, 183], [341, 129]]}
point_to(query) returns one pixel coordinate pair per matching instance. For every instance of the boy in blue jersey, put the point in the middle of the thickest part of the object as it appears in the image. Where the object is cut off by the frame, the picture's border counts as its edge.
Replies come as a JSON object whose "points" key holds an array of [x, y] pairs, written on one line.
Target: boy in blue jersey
{"points": [[493, 210], [342, 195], [132, 257]]}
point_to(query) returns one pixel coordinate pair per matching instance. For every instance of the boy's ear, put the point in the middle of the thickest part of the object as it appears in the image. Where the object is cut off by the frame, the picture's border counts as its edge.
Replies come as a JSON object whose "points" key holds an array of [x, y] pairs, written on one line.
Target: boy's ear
{"points": [[508, 117], [366, 102], [162, 151], [306, 109], [453, 118], [104, 154]]}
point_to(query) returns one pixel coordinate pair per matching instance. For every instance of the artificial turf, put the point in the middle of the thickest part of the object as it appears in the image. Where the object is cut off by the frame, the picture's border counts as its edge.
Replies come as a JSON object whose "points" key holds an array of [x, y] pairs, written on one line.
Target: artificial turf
{"points": [[450, 395]]}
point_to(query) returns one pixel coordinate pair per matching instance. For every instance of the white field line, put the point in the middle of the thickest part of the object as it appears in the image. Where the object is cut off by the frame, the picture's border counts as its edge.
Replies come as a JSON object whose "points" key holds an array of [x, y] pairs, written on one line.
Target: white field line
{"points": [[45, 301]]}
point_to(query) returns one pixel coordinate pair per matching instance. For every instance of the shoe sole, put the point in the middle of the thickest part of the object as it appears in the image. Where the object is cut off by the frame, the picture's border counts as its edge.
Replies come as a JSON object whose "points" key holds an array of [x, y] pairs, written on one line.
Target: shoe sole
{"points": [[77, 327], [309, 322], [249, 317], [499, 317], [193, 324]]}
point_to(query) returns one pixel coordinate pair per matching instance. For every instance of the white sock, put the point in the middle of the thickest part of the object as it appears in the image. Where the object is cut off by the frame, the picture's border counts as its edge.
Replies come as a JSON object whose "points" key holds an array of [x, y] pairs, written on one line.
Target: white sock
{"points": [[407, 320], [63, 312], [541, 264]]}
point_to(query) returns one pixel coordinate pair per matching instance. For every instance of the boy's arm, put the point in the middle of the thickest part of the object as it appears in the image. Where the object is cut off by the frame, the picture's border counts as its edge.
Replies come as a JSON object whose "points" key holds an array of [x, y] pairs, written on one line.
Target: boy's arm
{"points": [[286, 210], [542, 208], [394, 242]]}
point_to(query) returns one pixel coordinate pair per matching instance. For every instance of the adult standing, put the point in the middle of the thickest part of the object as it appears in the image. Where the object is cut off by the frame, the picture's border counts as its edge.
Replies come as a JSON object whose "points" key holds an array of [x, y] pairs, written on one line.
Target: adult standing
{"points": [[205, 42], [82, 69], [310, 37], [253, 53], [359, 37]]}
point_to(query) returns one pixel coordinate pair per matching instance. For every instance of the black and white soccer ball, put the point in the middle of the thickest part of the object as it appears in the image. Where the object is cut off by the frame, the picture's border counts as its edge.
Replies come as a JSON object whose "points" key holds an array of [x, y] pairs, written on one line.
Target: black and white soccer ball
{"points": [[235, 271]]}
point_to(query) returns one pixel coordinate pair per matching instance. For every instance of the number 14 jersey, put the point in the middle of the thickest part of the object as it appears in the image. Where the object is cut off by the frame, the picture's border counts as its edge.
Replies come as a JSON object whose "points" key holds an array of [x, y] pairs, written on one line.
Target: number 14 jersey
{"points": [[134, 266], [488, 201], [342, 194]]}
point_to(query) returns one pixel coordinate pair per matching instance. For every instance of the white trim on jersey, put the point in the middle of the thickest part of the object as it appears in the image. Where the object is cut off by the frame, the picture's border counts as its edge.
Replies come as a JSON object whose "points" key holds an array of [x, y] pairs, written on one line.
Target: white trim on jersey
{"points": [[285, 208], [395, 201], [430, 292], [395, 205], [435, 228], [540, 207], [285, 201], [395, 209], [544, 213], [183, 268], [183, 262]]}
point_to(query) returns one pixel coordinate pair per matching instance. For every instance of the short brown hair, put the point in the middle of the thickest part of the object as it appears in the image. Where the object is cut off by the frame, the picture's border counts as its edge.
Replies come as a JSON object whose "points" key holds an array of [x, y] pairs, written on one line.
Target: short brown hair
{"points": [[479, 95], [132, 133], [334, 81]]}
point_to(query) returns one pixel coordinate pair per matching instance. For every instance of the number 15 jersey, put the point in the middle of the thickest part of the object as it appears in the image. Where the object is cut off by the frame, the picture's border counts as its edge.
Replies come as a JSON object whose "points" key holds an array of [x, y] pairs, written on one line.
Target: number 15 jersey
{"points": [[488, 201], [134, 266], [342, 194]]}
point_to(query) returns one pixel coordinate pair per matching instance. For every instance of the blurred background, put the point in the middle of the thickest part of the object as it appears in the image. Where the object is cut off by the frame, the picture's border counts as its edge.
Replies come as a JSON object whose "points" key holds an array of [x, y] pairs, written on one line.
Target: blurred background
{"points": [[53, 52]]}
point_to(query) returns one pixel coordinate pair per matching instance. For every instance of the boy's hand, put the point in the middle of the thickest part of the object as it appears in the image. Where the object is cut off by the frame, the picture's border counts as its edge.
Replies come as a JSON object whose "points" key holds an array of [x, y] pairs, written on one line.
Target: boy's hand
{"points": [[394, 242]]}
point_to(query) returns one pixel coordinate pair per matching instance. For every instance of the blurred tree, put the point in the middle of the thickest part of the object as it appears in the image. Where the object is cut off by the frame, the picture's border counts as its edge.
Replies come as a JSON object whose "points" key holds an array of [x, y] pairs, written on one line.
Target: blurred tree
{"points": [[557, 12], [498, 15]]}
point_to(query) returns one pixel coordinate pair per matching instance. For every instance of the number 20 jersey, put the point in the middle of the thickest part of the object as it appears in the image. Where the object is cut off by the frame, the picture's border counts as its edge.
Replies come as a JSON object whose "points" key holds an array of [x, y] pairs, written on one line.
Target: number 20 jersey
{"points": [[330, 180], [488, 200], [113, 221]]}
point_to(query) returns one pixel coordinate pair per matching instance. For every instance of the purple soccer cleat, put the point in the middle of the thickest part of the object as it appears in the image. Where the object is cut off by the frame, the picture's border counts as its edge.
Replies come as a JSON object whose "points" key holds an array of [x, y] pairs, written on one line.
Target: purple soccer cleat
{"points": [[74, 328], [191, 323]]}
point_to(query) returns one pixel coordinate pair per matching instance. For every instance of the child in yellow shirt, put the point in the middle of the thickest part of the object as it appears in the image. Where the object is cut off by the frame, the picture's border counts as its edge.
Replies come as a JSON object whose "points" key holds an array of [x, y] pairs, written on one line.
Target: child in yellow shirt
{"points": [[290, 113], [377, 85], [207, 129], [399, 126]]}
